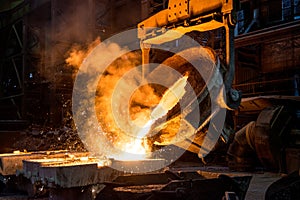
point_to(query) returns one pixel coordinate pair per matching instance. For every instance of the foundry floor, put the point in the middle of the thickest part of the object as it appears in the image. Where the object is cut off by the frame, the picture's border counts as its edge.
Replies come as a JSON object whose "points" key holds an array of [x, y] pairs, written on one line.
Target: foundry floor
{"points": [[256, 191]]}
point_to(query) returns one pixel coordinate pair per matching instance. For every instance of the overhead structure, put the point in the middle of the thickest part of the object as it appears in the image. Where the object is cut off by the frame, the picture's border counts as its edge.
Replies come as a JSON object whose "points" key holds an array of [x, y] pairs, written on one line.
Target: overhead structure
{"points": [[185, 16]]}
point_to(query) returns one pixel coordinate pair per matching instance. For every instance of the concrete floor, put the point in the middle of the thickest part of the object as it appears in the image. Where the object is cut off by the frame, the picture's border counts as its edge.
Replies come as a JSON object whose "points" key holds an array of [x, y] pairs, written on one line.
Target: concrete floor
{"points": [[259, 184]]}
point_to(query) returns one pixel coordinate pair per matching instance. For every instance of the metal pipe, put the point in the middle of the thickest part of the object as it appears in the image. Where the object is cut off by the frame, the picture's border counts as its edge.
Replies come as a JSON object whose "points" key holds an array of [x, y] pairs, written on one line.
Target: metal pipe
{"points": [[17, 35], [262, 82], [145, 58]]}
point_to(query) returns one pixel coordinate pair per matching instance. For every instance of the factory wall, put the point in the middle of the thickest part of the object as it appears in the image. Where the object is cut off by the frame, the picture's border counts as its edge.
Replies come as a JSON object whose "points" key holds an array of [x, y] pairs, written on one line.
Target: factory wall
{"points": [[36, 85]]}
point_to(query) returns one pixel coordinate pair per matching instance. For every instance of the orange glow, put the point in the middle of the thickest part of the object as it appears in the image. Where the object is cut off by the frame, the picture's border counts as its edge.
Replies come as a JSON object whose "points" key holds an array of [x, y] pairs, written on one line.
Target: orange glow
{"points": [[77, 53], [145, 106], [134, 150], [170, 98]]}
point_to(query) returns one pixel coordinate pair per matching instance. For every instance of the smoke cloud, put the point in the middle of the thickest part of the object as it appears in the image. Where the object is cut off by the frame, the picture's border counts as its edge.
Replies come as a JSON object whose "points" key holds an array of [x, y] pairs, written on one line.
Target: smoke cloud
{"points": [[106, 102]]}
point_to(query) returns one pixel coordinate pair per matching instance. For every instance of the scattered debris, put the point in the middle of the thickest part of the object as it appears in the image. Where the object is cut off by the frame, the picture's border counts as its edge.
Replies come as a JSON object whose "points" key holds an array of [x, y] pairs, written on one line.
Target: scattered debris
{"points": [[38, 138]]}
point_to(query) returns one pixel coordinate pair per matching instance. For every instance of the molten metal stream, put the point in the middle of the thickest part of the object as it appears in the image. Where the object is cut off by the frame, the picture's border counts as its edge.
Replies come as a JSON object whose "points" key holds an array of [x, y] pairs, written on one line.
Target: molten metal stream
{"points": [[170, 98]]}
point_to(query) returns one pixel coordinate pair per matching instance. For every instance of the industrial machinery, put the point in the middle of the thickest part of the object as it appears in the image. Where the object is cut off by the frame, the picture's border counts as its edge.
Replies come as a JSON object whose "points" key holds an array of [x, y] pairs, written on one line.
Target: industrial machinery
{"points": [[199, 17], [267, 144], [62, 174]]}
